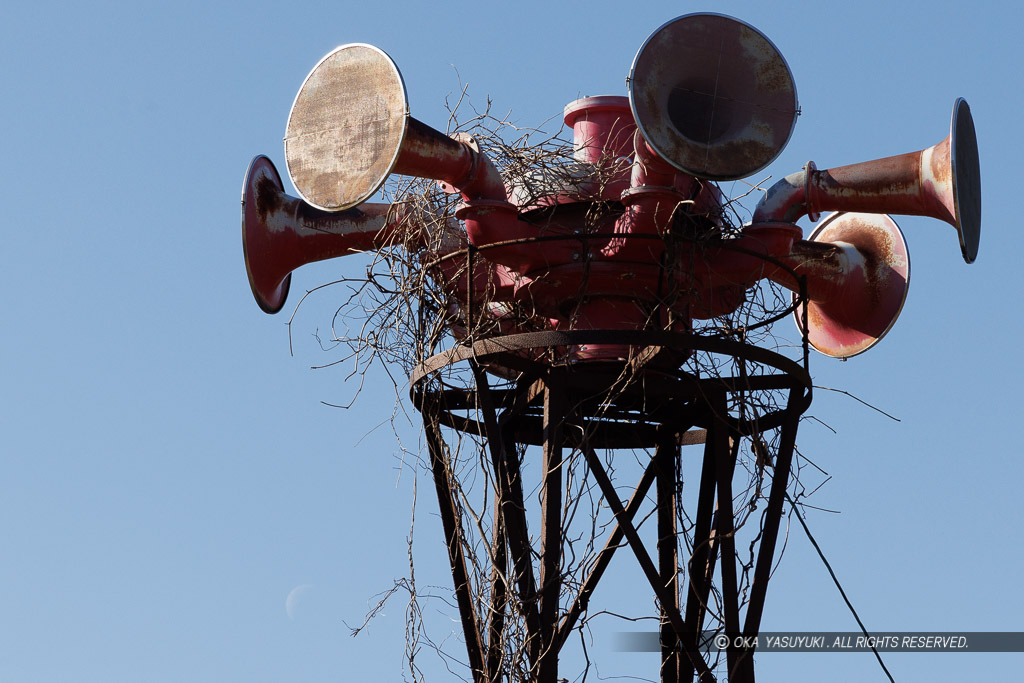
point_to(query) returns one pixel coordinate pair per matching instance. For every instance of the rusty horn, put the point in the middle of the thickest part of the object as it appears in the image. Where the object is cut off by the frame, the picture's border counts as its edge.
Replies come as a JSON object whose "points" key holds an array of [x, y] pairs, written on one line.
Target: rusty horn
{"points": [[350, 128], [713, 96], [281, 233], [856, 267], [943, 181]]}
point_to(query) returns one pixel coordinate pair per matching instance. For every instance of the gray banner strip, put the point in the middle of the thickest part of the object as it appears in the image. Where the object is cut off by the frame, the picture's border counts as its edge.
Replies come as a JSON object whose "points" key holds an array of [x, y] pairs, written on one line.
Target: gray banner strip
{"points": [[843, 641]]}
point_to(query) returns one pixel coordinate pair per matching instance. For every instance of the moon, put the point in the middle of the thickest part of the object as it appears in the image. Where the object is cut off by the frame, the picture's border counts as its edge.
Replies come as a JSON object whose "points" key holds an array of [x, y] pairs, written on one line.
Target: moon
{"points": [[292, 601]]}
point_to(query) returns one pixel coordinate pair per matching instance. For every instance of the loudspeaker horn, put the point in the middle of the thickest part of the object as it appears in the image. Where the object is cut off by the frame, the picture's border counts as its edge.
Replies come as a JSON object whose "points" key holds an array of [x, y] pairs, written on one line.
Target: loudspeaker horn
{"points": [[281, 233], [943, 181], [857, 270], [713, 96], [349, 129]]}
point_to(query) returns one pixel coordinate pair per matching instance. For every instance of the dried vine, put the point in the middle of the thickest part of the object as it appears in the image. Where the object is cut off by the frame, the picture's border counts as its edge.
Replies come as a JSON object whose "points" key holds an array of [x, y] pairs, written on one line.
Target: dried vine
{"points": [[411, 304]]}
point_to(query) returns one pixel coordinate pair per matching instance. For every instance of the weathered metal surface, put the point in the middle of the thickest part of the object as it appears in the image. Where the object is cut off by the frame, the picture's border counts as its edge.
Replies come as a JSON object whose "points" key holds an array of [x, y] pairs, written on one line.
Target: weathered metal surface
{"points": [[346, 127], [857, 267], [942, 181], [429, 153], [453, 534], [350, 128], [669, 407], [555, 413], [666, 456], [713, 96], [671, 612], [281, 233]]}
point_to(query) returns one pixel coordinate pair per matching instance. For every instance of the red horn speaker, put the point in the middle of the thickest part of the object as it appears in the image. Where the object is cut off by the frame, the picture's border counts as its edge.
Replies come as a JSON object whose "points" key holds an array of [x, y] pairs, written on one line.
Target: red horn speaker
{"points": [[857, 270], [943, 181], [281, 233], [713, 96]]}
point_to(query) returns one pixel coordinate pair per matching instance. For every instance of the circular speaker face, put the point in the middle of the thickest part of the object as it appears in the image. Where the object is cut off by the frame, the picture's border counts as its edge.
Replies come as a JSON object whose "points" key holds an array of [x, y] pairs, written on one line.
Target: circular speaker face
{"points": [[863, 303], [346, 127], [713, 96]]}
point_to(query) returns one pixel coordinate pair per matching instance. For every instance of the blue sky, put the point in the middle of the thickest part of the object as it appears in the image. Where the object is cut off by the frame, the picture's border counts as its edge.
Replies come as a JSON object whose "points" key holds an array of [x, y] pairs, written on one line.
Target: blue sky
{"points": [[169, 473]]}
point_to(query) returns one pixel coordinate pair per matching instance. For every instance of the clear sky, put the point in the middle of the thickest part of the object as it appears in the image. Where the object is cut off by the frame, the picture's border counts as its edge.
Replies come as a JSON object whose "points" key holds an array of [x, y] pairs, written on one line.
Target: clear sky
{"points": [[169, 474]]}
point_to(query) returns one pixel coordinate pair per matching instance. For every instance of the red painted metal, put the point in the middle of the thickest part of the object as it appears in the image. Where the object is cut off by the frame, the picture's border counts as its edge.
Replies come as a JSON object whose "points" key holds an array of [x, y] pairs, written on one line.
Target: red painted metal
{"points": [[858, 272], [610, 274], [602, 127], [710, 98], [943, 182], [602, 133], [281, 233], [713, 96]]}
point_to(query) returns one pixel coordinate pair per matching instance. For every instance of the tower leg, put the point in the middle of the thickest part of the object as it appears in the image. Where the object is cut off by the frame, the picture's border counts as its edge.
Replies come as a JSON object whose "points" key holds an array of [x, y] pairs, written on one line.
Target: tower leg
{"points": [[505, 462], [770, 535], [718, 434], [551, 529], [668, 556], [584, 411], [705, 551], [452, 525]]}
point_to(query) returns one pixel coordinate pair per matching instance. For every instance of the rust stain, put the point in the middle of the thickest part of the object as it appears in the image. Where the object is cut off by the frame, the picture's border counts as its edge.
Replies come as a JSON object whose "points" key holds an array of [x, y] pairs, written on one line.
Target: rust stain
{"points": [[268, 196]]}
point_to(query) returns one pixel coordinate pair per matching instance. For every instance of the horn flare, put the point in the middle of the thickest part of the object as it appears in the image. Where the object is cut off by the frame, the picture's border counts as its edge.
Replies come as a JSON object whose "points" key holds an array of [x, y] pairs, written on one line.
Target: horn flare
{"points": [[856, 286], [713, 96]]}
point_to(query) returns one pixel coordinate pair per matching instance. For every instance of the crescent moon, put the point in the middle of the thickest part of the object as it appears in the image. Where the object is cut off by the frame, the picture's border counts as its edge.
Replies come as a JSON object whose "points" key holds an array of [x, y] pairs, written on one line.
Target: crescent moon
{"points": [[292, 600]]}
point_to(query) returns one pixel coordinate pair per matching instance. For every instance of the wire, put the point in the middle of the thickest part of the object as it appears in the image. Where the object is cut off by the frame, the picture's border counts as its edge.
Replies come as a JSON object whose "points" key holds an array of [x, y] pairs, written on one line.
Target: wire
{"points": [[836, 581]]}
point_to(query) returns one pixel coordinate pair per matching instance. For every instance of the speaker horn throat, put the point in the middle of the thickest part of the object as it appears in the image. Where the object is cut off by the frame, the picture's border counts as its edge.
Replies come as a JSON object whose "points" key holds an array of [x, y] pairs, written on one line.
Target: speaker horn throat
{"points": [[281, 233], [940, 182]]}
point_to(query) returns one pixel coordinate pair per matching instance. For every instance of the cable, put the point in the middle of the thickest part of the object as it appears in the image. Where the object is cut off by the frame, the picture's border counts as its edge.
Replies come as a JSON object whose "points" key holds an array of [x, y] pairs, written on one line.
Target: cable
{"points": [[836, 581]]}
